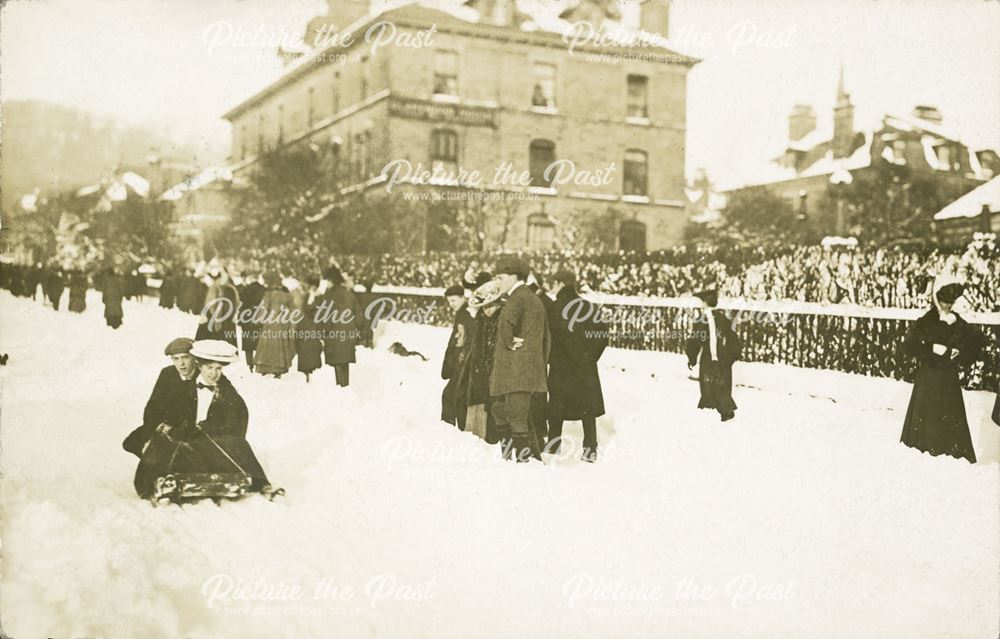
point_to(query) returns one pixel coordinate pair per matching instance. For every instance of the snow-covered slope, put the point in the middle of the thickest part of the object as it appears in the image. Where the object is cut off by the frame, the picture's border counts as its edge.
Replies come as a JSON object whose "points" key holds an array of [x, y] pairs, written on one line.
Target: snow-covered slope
{"points": [[803, 517]]}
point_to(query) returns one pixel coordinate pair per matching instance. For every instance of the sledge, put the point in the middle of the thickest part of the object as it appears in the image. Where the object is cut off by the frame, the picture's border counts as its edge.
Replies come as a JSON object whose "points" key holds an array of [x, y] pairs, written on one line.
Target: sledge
{"points": [[187, 487]]}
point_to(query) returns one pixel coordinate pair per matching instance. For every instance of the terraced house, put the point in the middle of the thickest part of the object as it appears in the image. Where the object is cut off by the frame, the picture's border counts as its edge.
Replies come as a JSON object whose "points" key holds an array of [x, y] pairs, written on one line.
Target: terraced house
{"points": [[499, 90]]}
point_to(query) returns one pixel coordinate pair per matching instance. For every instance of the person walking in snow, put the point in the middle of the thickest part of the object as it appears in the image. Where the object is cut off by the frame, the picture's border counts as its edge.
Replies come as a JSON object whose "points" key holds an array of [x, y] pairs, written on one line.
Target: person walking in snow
{"points": [[341, 317], [276, 343], [943, 343], [715, 348], [112, 292]]}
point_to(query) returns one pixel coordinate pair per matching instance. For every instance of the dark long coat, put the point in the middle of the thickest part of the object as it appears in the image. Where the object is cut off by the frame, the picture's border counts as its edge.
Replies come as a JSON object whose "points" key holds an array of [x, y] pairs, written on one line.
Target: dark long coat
{"points": [[574, 383], [340, 336], [172, 402], [308, 343], [113, 290], [935, 418], [226, 424], [78, 291], [459, 344], [715, 377], [250, 298], [54, 287], [521, 370], [168, 290]]}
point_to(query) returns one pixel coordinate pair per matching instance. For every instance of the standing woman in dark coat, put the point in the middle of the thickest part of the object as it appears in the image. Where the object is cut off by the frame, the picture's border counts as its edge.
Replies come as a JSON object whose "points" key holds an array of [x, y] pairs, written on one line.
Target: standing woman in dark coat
{"points": [[342, 328], [78, 291], [942, 342], [308, 345], [574, 383], [112, 290], [55, 286], [168, 289], [719, 347], [251, 294]]}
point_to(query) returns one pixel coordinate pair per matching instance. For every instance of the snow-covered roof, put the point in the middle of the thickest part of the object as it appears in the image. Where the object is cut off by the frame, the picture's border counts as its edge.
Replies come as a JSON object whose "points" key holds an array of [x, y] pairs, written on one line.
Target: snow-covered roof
{"points": [[206, 177], [971, 204]]}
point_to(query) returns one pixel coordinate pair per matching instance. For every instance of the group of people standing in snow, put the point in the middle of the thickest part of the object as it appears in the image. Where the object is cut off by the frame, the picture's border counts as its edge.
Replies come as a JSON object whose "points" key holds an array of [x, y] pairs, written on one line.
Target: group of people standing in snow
{"points": [[515, 369], [318, 320], [114, 284]]}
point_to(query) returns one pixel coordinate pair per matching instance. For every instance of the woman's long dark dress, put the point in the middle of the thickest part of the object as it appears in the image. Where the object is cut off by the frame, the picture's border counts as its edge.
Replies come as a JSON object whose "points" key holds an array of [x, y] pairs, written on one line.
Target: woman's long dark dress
{"points": [[935, 419]]}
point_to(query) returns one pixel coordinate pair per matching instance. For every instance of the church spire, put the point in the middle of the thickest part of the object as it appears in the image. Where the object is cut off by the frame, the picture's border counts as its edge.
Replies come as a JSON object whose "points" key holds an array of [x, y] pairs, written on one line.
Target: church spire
{"points": [[843, 121]]}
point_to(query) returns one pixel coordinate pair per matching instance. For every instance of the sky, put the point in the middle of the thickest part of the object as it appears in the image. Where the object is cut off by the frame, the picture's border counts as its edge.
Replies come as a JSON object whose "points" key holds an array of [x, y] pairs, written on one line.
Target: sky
{"points": [[178, 65]]}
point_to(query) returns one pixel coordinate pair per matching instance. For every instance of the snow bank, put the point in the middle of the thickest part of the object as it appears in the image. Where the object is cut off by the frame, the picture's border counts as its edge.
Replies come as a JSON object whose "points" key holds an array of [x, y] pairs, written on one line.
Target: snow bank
{"points": [[803, 517]]}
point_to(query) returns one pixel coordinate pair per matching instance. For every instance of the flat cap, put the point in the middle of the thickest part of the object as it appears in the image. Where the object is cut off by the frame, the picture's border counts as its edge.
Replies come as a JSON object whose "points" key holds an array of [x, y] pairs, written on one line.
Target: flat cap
{"points": [[179, 346]]}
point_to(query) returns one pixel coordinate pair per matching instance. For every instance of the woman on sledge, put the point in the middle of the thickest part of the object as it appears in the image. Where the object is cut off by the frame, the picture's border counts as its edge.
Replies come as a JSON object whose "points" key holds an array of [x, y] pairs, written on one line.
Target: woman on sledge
{"points": [[215, 442]]}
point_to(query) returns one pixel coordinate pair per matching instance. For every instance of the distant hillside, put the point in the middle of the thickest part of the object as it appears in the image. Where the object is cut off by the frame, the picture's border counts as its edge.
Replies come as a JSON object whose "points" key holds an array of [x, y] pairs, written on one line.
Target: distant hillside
{"points": [[55, 148]]}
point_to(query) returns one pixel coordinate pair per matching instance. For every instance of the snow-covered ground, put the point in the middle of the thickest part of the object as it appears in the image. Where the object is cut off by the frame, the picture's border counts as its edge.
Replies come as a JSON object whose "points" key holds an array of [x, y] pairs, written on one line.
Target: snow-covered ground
{"points": [[804, 517]]}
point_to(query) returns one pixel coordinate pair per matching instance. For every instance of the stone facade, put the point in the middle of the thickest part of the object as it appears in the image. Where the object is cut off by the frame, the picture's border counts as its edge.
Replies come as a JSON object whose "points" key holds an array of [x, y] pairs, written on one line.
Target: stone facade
{"points": [[478, 97]]}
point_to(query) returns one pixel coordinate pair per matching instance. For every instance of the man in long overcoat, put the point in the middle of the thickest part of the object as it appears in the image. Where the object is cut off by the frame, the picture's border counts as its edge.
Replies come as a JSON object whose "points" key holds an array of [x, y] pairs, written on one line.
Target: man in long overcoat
{"points": [[578, 341], [341, 317], [519, 363]]}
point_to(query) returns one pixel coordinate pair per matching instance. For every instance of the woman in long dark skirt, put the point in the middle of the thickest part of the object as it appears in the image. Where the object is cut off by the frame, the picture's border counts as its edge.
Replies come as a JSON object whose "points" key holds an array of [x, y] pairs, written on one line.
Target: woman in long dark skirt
{"points": [[308, 344], [715, 348], [943, 343]]}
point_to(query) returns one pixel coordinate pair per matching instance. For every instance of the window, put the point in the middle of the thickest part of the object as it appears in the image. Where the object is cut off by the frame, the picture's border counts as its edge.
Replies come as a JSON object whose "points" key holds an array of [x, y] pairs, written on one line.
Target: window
{"points": [[541, 232], [632, 236], [541, 154], [637, 89], [945, 157], [444, 149], [635, 173], [544, 92], [446, 73], [311, 112]]}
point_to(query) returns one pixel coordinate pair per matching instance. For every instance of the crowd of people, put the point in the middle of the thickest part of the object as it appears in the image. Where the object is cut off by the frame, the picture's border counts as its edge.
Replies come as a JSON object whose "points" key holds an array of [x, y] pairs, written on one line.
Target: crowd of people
{"points": [[872, 277], [520, 360]]}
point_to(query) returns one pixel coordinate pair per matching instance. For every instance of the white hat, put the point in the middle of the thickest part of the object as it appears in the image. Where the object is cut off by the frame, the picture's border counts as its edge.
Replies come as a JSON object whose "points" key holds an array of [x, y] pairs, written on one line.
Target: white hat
{"points": [[215, 350]]}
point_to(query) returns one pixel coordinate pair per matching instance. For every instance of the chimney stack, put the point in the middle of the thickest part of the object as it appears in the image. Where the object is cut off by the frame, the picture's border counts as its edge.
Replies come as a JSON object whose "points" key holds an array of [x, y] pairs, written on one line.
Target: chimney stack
{"points": [[801, 122], [654, 17], [927, 113]]}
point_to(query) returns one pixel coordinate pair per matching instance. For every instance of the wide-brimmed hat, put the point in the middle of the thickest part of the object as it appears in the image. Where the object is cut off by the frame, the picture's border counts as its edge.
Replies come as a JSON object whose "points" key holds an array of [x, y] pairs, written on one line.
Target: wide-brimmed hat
{"points": [[485, 295], [215, 350], [179, 346]]}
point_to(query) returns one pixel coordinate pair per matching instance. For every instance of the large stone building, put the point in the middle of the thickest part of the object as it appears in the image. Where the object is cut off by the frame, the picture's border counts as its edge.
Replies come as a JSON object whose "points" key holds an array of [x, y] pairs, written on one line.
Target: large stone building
{"points": [[486, 87], [818, 153]]}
